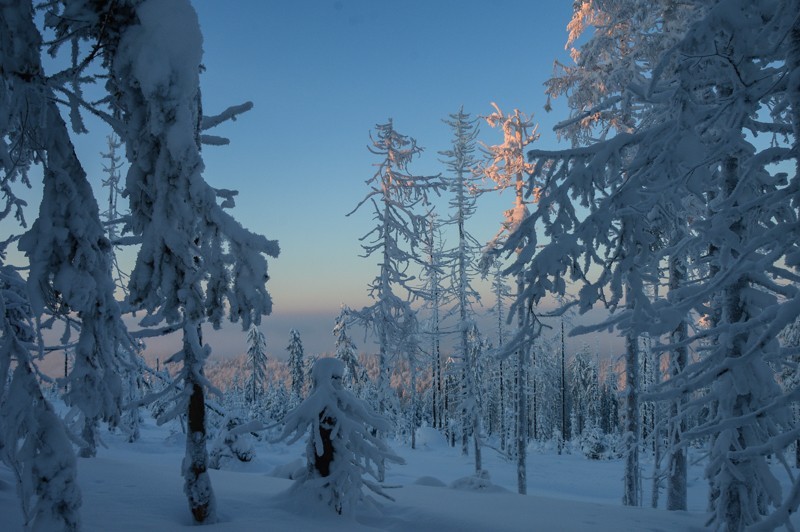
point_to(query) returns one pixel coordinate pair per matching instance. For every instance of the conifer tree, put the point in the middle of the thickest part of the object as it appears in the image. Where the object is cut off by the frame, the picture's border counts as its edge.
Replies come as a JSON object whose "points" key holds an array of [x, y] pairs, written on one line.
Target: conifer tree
{"points": [[702, 94], [34, 444], [395, 195], [68, 253], [346, 350], [296, 366], [462, 178], [33, 440], [435, 296], [508, 168], [344, 442], [195, 262], [112, 216], [257, 360]]}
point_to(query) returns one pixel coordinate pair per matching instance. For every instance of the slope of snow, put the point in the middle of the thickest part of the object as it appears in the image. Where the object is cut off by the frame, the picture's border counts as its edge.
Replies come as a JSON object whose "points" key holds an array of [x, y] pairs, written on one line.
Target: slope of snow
{"points": [[138, 486]]}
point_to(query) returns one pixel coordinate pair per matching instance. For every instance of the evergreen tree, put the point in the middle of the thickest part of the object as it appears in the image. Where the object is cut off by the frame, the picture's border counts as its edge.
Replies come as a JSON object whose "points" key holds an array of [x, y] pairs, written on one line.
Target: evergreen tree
{"points": [[609, 405], [346, 350], [790, 375], [400, 231], [112, 216], [66, 247], [507, 168], [501, 292], [297, 370], [33, 440], [701, 95], [231, 444], [195, 261], [342, 442], [462, 182], [257, 360], [585, 393], [435, 296]]}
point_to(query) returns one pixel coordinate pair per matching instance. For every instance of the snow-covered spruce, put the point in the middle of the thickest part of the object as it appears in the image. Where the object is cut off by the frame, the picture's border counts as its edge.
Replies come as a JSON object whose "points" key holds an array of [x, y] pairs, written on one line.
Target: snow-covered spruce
{"points": [[69, 256], [396, 196], [346, 349], [206, 265], [33, 440], [341, 447], [231, 444], [295, 361], [463, 180], [507, 167], [725, 81], [257, 360]]}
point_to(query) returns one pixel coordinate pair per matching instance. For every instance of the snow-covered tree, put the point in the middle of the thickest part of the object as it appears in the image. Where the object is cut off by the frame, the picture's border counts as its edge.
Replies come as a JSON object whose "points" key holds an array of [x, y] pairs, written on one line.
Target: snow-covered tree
{"points": [[585, 392], [343, 441], [33, 440], [471, 397], [257, 360], [195, 261], [395, 195], [507, 167], [790, 375], [134, 386], [410, 347], [502, 293], [68, 253], [627, 40], [609, 402], [724, 76], [462, 176], [435, 296], [112, 216], [296, 363], [346, 350], [231, 445]]}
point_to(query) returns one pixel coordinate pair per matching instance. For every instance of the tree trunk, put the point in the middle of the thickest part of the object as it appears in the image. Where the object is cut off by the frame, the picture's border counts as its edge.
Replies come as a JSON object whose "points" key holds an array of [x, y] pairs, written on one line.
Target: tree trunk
{"points": [[412, 368], [502, 408], [322, 462], [632, 489], [522, 403], [197, 482], [676, 462]]}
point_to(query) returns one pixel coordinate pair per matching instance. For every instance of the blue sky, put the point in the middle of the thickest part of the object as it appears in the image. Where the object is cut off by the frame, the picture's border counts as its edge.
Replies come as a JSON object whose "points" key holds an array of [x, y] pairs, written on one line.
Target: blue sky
{"points": [[321, 74]]}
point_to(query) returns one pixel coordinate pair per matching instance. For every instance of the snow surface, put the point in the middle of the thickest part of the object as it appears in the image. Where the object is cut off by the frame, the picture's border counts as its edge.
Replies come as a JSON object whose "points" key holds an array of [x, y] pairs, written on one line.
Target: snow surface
{"points": [[138, 486]]}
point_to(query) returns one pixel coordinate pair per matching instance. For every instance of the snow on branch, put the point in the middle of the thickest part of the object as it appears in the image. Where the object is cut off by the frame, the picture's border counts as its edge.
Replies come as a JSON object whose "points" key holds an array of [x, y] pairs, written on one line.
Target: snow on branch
{"points": [[228, 114]]}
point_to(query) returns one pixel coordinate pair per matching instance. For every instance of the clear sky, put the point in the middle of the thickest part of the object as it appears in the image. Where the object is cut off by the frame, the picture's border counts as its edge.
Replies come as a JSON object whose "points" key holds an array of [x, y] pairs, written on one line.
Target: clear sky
{"points": [[321, 74]]}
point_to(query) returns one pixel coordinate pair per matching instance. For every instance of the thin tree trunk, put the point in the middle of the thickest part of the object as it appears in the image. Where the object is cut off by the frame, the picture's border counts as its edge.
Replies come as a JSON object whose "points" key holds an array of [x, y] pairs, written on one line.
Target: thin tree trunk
{"points": [[197, 482], [522, 403], [676, 463], [563, 438], [413, 370], [502, 408], [632, 489]]}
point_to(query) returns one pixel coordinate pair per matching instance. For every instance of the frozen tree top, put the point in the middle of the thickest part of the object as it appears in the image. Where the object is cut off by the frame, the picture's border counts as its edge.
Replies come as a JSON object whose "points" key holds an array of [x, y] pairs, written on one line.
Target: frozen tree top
{"points": [[327, 370], [173, 49]]}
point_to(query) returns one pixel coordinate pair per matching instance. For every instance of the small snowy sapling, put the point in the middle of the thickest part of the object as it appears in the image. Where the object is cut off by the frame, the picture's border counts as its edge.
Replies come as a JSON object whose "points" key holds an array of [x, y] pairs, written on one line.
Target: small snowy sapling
{"points": [[231, 444], [342, 445]]}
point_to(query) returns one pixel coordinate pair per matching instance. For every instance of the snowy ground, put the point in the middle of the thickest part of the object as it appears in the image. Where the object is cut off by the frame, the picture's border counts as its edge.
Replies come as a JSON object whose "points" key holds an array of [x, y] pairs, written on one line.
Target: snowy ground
{"points": [[137, 487]]}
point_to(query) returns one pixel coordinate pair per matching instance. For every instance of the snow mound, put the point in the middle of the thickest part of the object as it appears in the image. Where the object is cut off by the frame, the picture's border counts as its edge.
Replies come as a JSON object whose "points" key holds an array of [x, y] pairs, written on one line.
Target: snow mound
{"points": [[430, 481], [430, 438], [292, 471], [478, 482]]}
